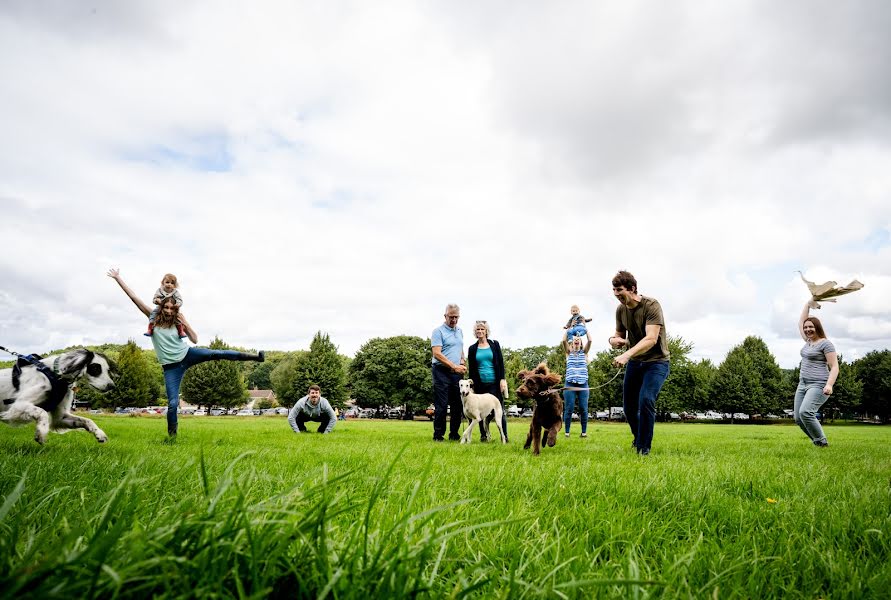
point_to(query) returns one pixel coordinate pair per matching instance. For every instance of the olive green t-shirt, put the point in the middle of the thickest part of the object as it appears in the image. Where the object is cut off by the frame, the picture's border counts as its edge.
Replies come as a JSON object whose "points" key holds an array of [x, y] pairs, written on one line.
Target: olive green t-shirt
{"points": [[635, 321]]}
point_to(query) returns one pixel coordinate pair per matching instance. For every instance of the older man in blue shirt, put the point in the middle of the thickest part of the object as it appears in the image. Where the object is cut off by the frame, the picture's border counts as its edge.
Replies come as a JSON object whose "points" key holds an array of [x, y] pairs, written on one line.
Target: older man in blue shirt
{"points": [[449, 367]]}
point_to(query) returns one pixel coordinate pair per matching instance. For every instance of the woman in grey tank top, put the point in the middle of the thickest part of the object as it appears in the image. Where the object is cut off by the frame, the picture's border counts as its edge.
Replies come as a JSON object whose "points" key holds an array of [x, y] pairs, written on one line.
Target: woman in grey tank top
{"points": [[819, 370]]}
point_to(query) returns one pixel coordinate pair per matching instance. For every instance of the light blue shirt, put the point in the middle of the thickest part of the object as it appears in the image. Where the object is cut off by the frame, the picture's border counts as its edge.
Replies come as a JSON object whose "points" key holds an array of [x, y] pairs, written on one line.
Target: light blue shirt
{"points": [[451, 340], [169, 347]]}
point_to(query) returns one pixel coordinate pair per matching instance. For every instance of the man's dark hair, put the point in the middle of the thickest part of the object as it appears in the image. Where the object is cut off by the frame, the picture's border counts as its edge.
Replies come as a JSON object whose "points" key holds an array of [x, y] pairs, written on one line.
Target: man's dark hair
{"points": [[315, 387], [626, 280]]}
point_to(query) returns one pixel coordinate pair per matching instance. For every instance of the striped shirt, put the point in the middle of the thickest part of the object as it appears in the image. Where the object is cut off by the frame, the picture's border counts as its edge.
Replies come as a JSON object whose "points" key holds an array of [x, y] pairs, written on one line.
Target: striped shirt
{"points": [[576, 368], [813, 361]]}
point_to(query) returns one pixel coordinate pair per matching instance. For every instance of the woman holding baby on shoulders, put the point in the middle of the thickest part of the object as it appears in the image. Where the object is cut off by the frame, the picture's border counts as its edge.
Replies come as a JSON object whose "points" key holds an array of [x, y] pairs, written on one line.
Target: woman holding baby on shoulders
{"points": [[576, 380]]}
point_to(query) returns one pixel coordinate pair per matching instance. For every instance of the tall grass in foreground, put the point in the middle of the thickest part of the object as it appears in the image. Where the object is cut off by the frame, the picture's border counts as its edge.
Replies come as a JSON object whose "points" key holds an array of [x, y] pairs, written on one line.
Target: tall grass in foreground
{"points": [[244, 508]]}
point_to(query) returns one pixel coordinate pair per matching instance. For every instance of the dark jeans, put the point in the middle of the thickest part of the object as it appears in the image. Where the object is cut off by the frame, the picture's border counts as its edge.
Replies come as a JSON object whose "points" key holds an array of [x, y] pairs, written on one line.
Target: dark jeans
{"points": [[173, 376], [493, 388], [323, 419], [643, 380], [446, 397]]}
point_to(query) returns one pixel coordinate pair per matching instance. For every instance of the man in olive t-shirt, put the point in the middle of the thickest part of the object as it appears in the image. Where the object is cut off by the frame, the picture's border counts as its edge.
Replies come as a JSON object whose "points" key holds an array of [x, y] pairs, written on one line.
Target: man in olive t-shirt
{"points": [[640, 326]]}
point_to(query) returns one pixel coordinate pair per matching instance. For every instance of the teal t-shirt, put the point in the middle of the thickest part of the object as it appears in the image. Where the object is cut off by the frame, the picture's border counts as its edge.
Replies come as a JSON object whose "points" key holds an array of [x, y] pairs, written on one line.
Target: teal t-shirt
{"points": [[484, 361], [169, 347]]}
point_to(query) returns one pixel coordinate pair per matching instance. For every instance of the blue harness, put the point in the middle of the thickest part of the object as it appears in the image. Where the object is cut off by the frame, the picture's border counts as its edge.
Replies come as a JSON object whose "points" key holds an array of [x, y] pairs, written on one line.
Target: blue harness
{"points": [[59, 385]]}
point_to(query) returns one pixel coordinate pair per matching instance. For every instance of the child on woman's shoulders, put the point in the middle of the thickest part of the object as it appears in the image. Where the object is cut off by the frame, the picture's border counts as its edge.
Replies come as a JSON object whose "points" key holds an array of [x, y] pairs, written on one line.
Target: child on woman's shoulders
{"points": [[575, 326], [168, 289]]}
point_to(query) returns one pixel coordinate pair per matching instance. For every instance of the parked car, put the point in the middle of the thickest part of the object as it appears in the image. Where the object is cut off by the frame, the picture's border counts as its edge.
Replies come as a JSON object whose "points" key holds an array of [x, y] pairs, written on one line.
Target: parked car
{"points": [[395, 413], [200, 412], [216, 412], [281, 410], [526, 413], [245, 412], [514, 411]]}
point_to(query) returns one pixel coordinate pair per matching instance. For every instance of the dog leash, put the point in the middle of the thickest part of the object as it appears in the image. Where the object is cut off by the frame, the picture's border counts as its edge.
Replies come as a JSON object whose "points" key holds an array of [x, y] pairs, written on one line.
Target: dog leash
{"points": [[580, 389], [8, 351]]}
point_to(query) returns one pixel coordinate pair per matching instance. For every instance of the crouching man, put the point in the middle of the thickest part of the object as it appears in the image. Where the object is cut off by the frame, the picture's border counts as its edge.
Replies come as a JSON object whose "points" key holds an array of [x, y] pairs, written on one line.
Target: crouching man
{"points": [[312, 407]]}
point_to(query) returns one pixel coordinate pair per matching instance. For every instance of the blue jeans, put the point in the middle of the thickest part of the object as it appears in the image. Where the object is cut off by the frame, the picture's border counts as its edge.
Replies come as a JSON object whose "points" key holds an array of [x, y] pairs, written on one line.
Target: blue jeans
{"points": [[643, 381], [446, 397], [808, 400], [569, 398], [493, 388], [173, 376], [576, 330]]}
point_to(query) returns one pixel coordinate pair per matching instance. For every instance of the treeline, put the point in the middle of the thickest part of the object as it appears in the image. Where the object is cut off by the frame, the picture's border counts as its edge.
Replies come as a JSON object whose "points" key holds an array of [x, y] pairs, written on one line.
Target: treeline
{"points": [[395, 371]]}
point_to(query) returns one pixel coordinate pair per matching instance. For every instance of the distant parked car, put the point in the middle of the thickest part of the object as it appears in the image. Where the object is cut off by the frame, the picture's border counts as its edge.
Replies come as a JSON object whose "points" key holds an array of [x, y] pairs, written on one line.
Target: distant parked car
{"points": [[200, 412], [395, 413], [281, 410], [216, 412], [526, 413], [514, 411], [245, 412], [602, 415]]}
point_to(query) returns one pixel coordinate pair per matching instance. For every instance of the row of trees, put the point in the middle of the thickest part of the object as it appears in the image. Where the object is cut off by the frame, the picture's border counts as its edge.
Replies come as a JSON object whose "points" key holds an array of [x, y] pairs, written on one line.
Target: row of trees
{"points": [[395, 371]]}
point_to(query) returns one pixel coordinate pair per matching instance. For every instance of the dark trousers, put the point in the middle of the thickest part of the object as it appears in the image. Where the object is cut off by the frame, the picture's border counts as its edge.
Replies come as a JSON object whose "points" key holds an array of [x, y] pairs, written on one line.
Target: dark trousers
{"points": [[322, 419], [446, 397], [493, 388], [643, 381]]}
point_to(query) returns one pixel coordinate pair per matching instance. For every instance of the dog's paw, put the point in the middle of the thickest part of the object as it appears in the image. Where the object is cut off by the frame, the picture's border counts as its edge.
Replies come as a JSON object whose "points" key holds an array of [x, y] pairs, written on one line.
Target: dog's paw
{"points": [[40, 437], [101, 437]]}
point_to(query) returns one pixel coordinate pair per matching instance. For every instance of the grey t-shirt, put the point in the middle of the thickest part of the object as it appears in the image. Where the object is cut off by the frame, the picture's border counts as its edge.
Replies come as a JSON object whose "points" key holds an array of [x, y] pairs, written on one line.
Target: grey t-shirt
{"points": [[814, 368]]}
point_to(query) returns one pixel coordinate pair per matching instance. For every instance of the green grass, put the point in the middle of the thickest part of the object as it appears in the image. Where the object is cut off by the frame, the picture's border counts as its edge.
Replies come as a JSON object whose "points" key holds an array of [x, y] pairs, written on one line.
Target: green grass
{"points": [[242, 507]]}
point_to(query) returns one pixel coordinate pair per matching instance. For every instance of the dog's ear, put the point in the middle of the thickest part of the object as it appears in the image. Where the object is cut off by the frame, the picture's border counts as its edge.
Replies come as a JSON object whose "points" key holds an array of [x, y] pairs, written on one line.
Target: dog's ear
{"points": [[75, 361], [552, 379], [471, 382], [541, 369], [522, 375]]}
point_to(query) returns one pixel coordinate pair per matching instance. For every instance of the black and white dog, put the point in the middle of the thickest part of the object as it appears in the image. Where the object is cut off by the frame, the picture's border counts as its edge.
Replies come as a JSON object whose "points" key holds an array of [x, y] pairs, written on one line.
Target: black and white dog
{"points": [[40, 391]]}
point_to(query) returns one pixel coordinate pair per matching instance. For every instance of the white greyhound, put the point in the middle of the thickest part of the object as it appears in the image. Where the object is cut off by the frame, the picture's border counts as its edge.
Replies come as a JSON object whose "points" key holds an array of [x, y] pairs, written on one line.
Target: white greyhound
{"points": [[40, 391], [476, 408]]}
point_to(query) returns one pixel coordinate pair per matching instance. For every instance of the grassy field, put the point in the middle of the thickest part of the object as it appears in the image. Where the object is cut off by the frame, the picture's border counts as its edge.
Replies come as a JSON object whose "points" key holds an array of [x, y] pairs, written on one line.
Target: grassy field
{"points": [[241, 507]]}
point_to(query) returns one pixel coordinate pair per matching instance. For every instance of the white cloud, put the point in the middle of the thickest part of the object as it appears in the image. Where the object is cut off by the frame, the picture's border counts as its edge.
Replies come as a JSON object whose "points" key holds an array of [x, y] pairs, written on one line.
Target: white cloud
{"points": [[351, 168]]}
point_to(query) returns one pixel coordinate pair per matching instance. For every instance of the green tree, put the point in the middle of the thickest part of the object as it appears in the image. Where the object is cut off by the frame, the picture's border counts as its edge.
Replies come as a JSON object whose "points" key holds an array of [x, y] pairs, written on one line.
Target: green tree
{"points": [[847, 393], [324, 367], [513, 364], [703, 373], [136, 385], [748, 381], [284, 378], [677, 392], [735, 387], [606, 379], [214, 383], [770, 377], [264, 403], [392, 371], [259, 377], [874, 373], [530, 357], [321, 366]]}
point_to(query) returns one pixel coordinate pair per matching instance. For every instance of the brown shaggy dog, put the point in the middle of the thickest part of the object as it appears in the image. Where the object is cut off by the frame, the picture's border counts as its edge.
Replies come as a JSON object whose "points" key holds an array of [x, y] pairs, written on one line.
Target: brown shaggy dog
{"points": [[547, 416]]}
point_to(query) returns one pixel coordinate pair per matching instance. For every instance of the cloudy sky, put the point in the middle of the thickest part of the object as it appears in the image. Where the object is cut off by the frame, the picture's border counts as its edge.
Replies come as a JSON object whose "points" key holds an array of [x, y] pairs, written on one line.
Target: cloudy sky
{"points": [[351, 167]]}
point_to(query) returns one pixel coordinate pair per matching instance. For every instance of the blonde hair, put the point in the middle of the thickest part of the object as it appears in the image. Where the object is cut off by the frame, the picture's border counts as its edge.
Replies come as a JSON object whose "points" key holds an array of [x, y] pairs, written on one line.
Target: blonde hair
{"points": [[484, 324], [171, 277]]}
